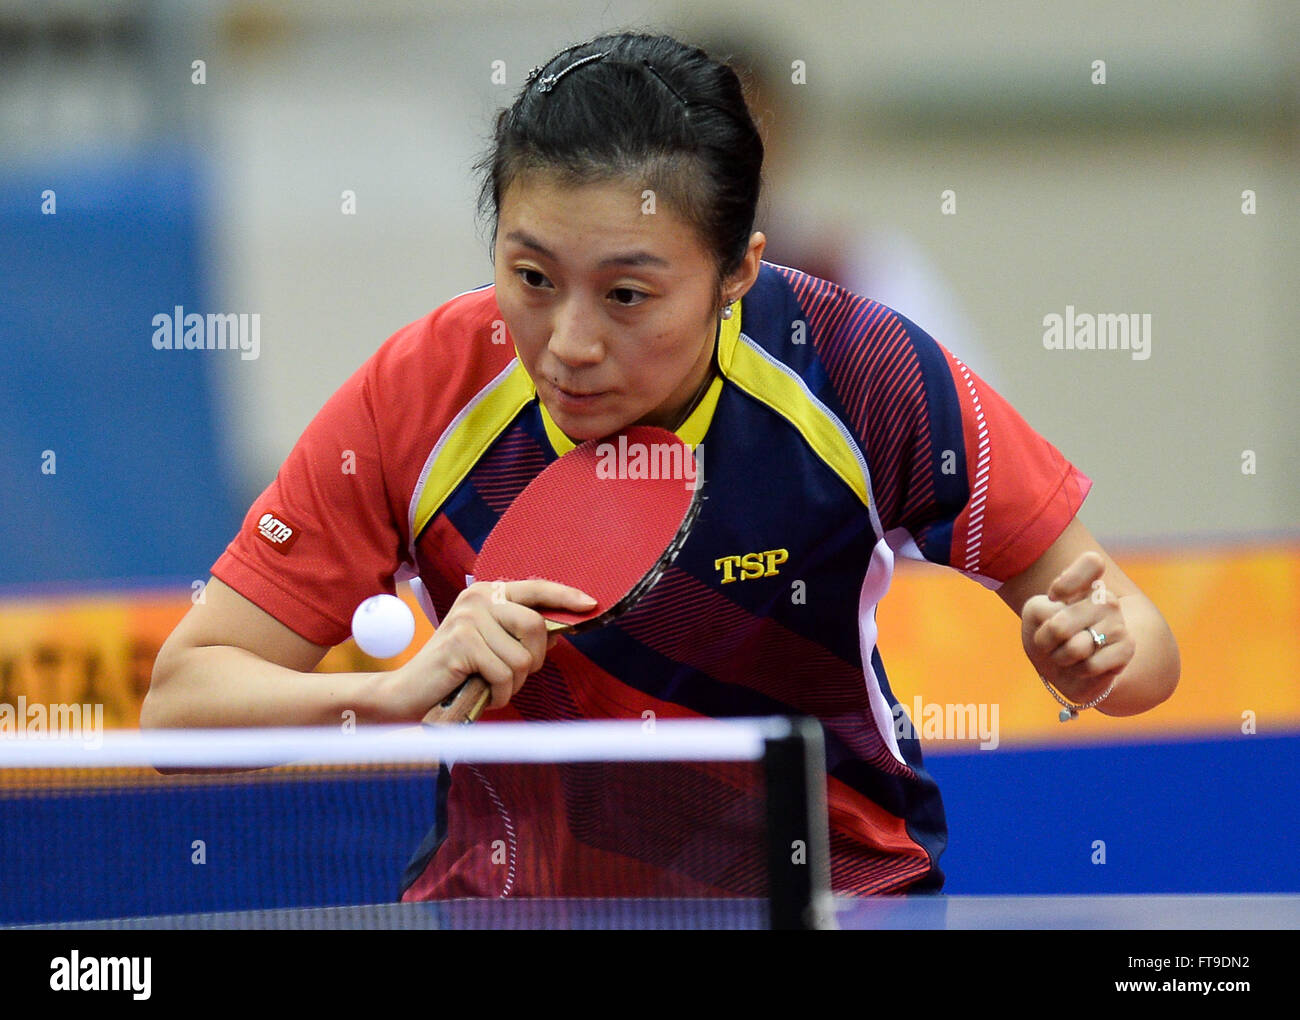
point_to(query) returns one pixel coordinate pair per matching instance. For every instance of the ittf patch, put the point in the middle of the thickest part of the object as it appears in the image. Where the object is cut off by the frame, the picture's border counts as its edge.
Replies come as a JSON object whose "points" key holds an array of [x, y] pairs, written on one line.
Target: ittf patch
{"points": [[276, 532]]}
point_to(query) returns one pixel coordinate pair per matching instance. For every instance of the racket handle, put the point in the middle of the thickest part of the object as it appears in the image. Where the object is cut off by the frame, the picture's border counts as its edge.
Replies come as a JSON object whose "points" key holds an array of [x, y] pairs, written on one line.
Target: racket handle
{"points": [[463, 705]]}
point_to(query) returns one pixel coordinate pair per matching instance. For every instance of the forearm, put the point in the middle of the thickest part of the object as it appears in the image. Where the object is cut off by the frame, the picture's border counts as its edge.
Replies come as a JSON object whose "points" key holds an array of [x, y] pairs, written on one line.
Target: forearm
{"points": [[220, 686], [1152, 674]]}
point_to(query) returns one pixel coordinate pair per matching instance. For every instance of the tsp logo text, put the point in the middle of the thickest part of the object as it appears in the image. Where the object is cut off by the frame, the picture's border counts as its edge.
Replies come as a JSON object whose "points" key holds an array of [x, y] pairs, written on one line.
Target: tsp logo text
{"points": [[751, 565]]}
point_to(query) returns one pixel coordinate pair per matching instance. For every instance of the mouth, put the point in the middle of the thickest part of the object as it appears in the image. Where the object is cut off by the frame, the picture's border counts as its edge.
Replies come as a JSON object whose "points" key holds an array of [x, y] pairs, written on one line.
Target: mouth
{"points": [[575, 399]]}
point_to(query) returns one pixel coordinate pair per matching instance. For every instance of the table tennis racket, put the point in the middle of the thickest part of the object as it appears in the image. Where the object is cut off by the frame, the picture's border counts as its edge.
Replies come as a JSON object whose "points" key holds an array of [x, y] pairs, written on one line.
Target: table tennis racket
{"points": [[608, 517]]}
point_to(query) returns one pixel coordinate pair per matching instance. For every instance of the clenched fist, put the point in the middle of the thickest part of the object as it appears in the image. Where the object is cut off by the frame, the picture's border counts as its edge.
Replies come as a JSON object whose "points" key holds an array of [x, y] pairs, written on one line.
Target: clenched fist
{"points": [[1058, 630]]}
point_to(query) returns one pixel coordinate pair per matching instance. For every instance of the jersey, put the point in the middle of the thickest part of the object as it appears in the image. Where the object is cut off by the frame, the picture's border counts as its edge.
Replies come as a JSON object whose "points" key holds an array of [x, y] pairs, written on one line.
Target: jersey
{"points": [[835, 436]]}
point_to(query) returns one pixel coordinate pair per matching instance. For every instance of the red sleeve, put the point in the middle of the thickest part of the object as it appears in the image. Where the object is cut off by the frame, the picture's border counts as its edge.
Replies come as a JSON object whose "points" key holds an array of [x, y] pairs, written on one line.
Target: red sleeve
{"points": [[952, 462], [1022, 490], [323, 536], [332, 528]]}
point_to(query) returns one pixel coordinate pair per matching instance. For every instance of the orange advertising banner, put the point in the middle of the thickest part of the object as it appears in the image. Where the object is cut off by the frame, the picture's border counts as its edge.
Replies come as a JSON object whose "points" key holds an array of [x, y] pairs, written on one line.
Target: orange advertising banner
{"points": [[951, 650], [100, 650], [1235, 614]]}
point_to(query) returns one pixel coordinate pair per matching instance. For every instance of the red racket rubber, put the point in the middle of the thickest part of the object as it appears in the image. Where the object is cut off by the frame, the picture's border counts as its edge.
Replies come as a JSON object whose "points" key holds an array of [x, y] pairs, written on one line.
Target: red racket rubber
{"points": [[608, 517]]}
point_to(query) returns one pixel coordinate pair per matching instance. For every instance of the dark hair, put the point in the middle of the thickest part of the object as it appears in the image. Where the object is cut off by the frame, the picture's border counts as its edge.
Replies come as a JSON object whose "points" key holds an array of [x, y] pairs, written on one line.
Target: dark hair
{"points": [[651, 108]]}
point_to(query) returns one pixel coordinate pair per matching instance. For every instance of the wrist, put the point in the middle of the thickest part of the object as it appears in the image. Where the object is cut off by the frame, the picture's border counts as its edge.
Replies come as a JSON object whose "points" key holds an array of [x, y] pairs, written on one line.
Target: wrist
{"points": [[373, 697]]}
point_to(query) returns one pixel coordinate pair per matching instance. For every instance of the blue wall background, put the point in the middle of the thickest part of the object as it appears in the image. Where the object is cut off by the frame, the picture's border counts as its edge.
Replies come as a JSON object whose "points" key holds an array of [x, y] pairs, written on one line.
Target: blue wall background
{"points": [[142, 489]]}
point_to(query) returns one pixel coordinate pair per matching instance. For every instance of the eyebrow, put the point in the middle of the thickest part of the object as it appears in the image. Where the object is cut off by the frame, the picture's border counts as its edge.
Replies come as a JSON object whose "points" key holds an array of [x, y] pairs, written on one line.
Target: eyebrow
{"points": [[630, 258]]}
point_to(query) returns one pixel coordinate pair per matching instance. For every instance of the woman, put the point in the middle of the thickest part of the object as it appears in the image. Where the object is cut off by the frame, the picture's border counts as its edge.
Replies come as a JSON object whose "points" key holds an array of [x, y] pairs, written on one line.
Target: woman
{"points": [[629, 288]]}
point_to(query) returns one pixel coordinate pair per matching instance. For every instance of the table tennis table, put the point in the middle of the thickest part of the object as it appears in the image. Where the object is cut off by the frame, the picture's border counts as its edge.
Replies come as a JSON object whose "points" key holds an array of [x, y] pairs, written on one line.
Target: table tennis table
{"points": [[934, 912]]}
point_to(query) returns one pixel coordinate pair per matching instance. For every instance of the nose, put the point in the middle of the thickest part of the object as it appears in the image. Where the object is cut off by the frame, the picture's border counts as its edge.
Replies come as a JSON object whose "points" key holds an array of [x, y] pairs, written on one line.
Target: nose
{"points": [[575, 336]]}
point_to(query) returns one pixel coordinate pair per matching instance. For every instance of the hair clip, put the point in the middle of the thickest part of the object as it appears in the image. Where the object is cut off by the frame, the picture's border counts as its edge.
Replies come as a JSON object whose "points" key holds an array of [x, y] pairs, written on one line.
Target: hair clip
{"points": [[664, 81], [551, 80]]}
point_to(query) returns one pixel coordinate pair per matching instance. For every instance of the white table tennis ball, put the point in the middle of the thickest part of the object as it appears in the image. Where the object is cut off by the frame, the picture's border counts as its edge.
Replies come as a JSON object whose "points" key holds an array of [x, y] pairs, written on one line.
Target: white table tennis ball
{"points": [[383, 626]]}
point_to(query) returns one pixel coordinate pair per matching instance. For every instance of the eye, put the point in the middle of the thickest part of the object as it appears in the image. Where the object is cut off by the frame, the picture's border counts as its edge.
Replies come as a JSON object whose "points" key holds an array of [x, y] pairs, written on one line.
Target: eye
{"points": [[532, 278], [627, 296]]}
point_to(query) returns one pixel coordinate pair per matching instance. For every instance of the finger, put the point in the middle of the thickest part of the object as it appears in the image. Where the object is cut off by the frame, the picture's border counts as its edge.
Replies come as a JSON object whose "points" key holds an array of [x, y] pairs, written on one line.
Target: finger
{"points": [[1081, 648], [510, 650], [517, 656], [539, 593], [1085, 680], [480, 596], [1056, 629], [1037, 610], [480, 659], [1071, 621], [1076, 580], [526, 628]]}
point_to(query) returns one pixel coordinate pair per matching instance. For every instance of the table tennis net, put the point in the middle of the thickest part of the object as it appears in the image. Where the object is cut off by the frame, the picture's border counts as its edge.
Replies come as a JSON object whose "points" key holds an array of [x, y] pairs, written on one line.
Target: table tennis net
{"points": [[563, 818]]}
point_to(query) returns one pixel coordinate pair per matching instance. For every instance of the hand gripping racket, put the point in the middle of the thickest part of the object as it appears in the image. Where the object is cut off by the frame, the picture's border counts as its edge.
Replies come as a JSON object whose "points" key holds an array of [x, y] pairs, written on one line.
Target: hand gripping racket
{"points": [[608, 517]]}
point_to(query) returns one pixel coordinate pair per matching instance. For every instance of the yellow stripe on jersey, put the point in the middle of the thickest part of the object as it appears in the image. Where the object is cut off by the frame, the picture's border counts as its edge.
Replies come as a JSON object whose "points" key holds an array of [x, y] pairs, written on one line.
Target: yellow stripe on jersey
{"points": [[559, 441], [771, 383], [693, 428], [470, 439]]}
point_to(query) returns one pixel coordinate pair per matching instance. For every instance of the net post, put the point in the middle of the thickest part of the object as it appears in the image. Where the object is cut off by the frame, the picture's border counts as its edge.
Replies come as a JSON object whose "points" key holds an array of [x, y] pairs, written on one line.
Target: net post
{"points": [[798, 845]]}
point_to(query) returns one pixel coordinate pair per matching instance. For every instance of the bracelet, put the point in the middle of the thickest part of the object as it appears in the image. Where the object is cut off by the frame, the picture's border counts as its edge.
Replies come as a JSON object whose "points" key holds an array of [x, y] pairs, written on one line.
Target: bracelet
{"points": [[1069, 711]]}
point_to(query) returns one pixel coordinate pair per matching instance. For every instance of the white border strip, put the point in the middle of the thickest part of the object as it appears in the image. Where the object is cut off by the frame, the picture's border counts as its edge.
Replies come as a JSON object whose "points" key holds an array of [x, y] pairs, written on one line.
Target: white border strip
{"points": [[491, 743]]}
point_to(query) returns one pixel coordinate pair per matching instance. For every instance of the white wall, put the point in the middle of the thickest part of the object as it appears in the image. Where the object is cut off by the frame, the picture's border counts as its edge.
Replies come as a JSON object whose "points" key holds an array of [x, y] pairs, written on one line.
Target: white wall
{"points": [[1115, 198]]}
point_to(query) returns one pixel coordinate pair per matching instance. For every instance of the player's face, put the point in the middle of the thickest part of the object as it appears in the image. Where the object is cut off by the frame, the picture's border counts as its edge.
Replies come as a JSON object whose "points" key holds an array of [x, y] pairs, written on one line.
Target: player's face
{"points": [[611, 307]]}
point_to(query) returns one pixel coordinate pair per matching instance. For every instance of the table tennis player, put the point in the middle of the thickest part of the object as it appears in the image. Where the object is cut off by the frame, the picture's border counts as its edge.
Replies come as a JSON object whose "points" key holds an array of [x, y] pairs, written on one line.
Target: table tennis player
{"points": [[833, 434]]}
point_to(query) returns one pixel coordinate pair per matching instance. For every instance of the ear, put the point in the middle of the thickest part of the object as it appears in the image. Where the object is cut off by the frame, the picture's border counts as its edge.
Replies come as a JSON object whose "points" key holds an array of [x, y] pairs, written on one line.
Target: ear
{"points": [[738, 283]]}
